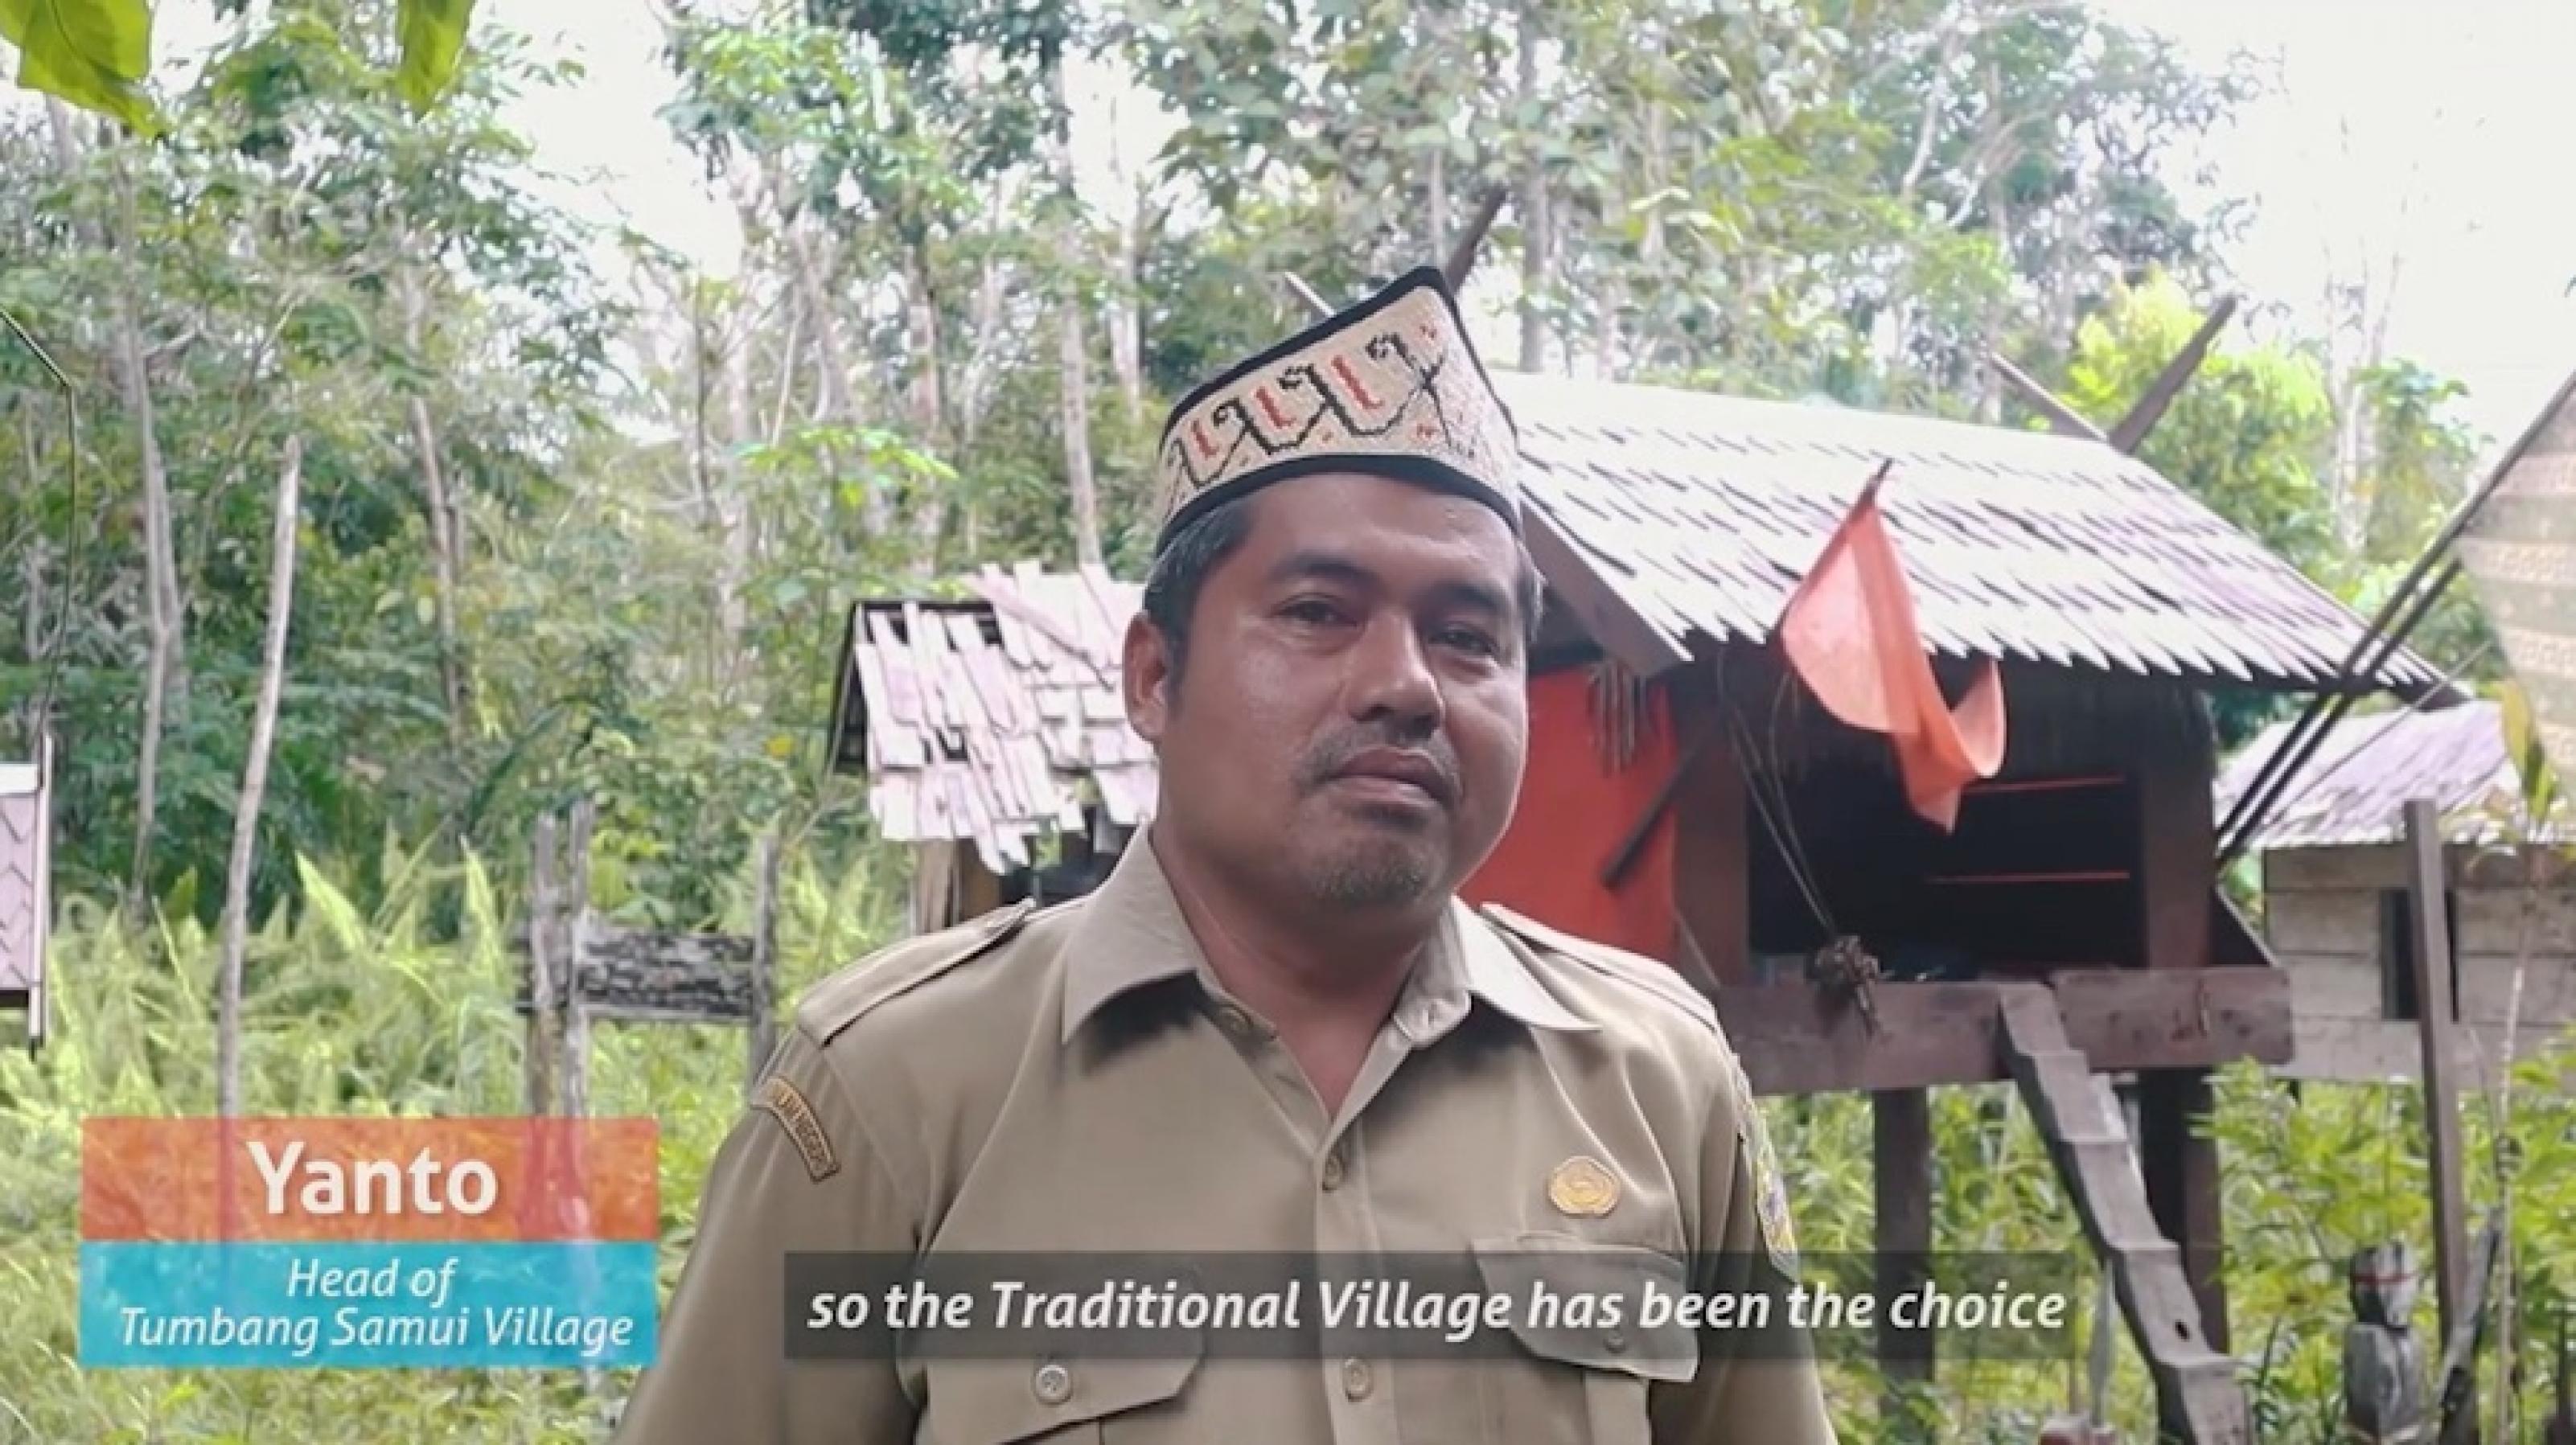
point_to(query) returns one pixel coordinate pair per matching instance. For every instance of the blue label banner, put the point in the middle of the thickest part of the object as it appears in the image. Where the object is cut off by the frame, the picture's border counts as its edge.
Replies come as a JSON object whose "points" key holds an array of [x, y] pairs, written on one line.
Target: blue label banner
{"points": [[408, 1305]]}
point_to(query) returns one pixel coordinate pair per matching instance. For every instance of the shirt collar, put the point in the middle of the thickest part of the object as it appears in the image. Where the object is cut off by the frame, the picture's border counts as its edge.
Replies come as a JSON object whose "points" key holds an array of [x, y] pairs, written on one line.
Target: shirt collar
{"points": [[1131, 933]]}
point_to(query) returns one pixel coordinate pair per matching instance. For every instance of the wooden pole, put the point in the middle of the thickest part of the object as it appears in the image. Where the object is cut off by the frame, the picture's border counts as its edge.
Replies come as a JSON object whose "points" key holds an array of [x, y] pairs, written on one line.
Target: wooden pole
{"points": [[576, 916], [764, 962], [42, 918], [2429, 904], [2177, 883], [1901, 1143], [539, 1059], [576, 1092], [1462, 256], [1305, 293], [2062, 419], [2150, 409]]}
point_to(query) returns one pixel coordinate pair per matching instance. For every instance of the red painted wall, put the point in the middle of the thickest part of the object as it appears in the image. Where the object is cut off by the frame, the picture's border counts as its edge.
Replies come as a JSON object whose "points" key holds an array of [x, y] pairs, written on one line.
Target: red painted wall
{"points": [[1573, 812]]}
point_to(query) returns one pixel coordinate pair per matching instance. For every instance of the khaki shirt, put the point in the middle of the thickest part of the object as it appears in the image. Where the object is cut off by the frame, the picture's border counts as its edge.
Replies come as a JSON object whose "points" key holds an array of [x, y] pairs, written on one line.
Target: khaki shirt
{"points": [[1074, 1079]]}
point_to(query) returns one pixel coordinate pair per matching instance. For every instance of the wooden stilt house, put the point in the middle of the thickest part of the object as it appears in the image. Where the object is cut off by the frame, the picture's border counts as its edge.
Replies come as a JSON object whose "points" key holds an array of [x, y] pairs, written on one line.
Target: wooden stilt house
{"points": [[2336, 908], [1687, 800]]}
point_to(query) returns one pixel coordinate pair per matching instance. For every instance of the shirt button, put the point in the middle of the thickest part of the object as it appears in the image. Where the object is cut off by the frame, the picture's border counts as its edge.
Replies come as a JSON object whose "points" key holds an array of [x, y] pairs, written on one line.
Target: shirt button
{"points": [[1233, 1021], [1357, 1378], [1333, 1171], [1053, 1383]]}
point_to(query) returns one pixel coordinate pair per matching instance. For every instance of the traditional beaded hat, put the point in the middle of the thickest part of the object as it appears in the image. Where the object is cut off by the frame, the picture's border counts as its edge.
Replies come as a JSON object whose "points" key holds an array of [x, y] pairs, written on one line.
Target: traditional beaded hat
{"points": [[1391, 386]]}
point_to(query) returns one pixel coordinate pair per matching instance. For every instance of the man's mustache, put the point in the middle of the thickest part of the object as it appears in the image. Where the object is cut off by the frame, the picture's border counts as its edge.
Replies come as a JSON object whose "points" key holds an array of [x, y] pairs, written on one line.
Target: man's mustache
{"points": [[1327, 758]]}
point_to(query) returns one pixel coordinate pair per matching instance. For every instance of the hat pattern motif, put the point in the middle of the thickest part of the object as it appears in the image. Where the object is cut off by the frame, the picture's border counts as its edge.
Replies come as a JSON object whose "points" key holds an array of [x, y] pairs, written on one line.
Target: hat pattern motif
{"points": [[1393, 381]]}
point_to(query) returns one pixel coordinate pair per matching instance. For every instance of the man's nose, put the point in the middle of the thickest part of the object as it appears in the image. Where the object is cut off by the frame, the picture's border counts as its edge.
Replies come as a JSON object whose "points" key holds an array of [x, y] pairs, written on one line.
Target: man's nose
{"points": [[1391, 679]]}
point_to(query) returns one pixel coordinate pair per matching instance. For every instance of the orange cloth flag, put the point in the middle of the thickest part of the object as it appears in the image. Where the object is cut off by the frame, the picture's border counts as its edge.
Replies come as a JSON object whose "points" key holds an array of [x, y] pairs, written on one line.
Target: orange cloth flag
{"points": [[1849, 630]]}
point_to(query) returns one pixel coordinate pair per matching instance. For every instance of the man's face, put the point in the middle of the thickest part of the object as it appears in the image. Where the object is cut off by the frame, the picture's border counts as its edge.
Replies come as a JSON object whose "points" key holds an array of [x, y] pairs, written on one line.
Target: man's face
{"points": [[1349, 726]]}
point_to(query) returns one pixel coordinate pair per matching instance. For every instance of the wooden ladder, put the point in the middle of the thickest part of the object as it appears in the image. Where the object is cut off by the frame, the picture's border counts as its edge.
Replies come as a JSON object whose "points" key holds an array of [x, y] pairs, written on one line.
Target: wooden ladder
{"points": [[2196, 1386]]}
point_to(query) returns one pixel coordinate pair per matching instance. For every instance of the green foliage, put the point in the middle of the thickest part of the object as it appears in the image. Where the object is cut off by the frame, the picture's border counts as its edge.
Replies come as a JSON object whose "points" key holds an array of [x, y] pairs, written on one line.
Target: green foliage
{"points": [[92, 53], [351, 1010], [2249, 436], [433, 37]]}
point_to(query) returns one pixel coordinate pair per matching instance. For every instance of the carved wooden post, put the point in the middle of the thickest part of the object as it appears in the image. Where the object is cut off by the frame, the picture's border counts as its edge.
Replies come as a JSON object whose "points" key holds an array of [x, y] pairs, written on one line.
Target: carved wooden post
{"points": [[764, 963], [540, 1056]]}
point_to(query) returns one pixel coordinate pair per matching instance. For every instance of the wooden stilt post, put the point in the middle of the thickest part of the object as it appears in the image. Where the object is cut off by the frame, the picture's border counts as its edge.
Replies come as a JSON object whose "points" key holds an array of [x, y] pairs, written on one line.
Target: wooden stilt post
{"points": [[1901, 1140], [2177, 885], [764, 963], [2429, 906], [540, 1056]]}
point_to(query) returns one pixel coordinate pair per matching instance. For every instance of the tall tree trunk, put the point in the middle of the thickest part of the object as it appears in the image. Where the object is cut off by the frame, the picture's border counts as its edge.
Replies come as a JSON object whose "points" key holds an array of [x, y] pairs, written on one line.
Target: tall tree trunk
{"points": [[732, 509], [928, 411], [447, 560], [810, 260], [1990, 394], [1076, 398], [1073, 371], [1437, 217], [1123, 323], [1534, 216], [39, 714], [1127, 319], [164, 675], [263, 729]]}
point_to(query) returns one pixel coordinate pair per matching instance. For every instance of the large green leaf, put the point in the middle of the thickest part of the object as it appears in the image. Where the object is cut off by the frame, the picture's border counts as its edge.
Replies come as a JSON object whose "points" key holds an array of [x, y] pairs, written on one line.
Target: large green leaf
{"points": [[92, 53], [433, 38]]}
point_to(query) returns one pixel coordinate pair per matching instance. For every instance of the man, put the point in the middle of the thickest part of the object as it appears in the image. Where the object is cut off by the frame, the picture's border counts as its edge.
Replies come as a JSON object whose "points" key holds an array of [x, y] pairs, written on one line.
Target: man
{"points": [[1273, 1027]]}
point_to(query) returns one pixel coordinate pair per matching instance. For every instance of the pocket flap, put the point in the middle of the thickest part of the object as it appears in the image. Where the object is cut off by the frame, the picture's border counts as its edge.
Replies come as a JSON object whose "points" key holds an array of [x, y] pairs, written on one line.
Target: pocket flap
{"points": [[1579, 1302], [994, 1402]]}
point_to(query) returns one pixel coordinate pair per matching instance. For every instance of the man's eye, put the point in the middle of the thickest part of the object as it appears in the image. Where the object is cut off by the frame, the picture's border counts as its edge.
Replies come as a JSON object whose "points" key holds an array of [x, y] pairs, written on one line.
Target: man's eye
{"points": [[1311, 609], [1469, 639]]}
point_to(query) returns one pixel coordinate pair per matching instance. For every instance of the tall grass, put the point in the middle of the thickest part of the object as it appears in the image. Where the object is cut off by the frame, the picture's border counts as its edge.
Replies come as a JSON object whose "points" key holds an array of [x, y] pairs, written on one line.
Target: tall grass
{"points": [[345, 1013], [352, 1011]]}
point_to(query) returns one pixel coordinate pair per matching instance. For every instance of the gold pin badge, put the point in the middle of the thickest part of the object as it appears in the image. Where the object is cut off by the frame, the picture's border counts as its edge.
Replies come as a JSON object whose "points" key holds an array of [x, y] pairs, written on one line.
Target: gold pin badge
{"points": [[1583, 1187]]}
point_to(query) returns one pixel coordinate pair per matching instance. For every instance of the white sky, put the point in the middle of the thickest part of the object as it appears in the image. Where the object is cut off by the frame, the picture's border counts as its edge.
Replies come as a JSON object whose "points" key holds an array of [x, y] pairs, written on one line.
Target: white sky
{"points": [[2429, 130]]}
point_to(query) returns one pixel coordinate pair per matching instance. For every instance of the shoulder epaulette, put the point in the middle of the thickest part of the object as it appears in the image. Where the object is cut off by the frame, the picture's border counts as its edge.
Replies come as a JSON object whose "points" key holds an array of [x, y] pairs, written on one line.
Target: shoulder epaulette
{"points": [[846, 997], [1636, 970]]}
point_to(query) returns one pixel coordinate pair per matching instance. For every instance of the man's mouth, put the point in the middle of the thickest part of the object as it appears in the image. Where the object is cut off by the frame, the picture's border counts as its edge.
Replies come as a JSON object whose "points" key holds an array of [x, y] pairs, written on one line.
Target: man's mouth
{"points": [[1397, 775]]}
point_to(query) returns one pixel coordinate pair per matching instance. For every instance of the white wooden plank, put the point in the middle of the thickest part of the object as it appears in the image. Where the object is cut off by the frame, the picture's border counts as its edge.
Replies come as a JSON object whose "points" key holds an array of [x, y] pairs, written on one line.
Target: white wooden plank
{"points": [[2338, 921]]}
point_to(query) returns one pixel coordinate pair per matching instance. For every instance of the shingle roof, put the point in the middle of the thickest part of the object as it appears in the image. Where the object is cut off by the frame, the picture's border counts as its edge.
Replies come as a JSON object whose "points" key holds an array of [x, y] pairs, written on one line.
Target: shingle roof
{"points": [[2368, 768], [983, 719], [1702, 512]]}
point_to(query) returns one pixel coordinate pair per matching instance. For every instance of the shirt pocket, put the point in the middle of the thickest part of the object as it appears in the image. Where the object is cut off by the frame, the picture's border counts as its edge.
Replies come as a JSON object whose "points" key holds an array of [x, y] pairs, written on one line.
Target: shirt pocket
{"points": [[1060, 1401], [1569, 1377]]}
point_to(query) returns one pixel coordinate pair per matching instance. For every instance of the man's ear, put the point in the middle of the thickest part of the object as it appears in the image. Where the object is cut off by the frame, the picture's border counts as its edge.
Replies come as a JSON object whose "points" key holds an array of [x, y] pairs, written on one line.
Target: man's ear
{"points": [[1145, 678]]}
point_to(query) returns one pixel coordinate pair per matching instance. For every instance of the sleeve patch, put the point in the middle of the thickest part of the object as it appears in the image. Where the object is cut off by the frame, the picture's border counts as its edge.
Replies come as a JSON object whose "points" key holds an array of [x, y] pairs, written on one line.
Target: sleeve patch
{"points": [[1770, 1188], [784, 1103]]}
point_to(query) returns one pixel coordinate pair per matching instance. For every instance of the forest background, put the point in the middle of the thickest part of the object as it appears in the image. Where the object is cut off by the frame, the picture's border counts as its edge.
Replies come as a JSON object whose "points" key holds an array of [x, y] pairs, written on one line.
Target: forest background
{"points": [[566, 530]]}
